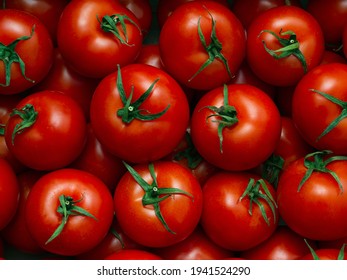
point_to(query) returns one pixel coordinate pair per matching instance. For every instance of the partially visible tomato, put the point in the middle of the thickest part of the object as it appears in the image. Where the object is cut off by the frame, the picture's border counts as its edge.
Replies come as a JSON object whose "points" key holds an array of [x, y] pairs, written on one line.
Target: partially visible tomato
{"points": [[132, 254], [26, 50], [9, 193], [150, 54]]}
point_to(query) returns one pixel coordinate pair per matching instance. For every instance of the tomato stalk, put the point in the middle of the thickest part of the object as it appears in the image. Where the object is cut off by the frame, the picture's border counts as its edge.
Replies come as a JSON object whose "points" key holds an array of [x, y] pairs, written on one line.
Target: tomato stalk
{"points": [[227, 115], [315, 162], [290, 46], [28, 114], [68, 208], [214, 49], [109, 24], [341, 255], [335, 122], [190, 153], [254, 193], [9, 56], [153, 194], [131, 110]]}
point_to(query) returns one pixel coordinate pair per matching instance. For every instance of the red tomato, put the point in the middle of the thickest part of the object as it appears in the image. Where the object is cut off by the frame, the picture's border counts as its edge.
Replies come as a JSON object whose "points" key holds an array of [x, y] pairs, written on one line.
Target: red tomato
{"points": [[9, 193], [96, 160], [247, 10], [46, 131], [48, 11], [201, 40], [132, 254], [283, 44], [166, 8], [16, 233], [283, 244], [139, 113], [69, 211], [150, 54], [114, 241], [331, 16], [26, 51], [197, 246], [236, 127], [325, 254], [164, 201], [312, 197], [318, 107], [142, 10], [93, 40], [239, 210], [63, 78]]}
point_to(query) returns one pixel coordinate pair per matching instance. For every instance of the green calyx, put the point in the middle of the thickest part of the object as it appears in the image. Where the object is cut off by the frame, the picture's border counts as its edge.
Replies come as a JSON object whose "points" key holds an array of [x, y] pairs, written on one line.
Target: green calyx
{"points": [[341, 255], [227, 116], [316, 162], [9, 56], [68, 208], [335, 122], [131, 110], [255, 191], [214, 49], [111, 23], [2, 129], [118, 236], [28, 116], [290, 46], [190, 153], [272, 168], [155, 194]]}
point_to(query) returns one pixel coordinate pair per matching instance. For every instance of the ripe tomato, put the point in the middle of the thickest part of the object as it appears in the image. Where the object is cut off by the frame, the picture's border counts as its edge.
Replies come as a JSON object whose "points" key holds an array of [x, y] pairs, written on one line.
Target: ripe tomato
{"points": [[312, 197], [9, 193], [318, 107], [95, 36], [283, 244], [164, 201], [26, 50], [46, 131], [69, 211], [16, 233], [48, 11], [283, 44], [236, 127], [139, 113], [201, 40], [197, 246], [239, 210], [150, 54]]}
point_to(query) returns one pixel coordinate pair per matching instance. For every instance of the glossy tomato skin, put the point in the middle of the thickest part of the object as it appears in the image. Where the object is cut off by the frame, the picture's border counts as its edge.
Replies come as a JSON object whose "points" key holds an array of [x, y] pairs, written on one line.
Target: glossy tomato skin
{"points": [[48, 11], [221, 196], [183, 53], [86, 47], [248, 142], [289, 70], [140, 141], [16, 233], [9, 193], [150, 54], [180, 211], [197, 246], [36, 52], [283, 244], [312, 113], [57, 136], [317, 210], [324, 254], [81, 233]]}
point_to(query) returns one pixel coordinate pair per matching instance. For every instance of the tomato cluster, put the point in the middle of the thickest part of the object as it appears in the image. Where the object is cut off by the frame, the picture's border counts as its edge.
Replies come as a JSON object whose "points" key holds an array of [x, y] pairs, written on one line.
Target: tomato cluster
{"points": [[182, 129]]}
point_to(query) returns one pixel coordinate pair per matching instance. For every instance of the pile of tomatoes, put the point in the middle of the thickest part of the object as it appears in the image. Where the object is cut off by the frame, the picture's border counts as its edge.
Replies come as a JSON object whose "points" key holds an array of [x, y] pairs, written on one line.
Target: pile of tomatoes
{"points": [[134, 129]]}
